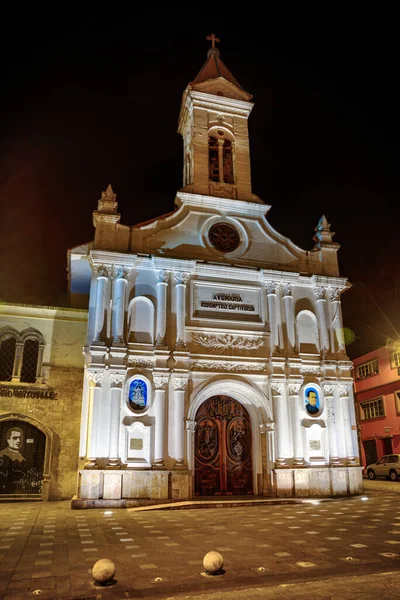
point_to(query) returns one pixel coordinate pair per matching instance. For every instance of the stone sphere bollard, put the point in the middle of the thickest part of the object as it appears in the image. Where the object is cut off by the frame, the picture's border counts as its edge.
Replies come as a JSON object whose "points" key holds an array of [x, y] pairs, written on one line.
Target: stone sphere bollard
{"points": [[103, 571], [213, 562]]}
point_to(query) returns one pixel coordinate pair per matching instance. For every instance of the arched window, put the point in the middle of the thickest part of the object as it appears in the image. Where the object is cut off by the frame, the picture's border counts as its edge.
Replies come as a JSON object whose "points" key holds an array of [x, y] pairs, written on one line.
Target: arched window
{"points": [[7, 357], [220, 156], [30, 360]]}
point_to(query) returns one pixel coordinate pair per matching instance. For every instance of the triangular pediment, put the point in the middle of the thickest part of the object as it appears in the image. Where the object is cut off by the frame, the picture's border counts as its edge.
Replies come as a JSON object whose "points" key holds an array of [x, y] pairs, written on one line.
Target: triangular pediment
{"points": [[219, 86]]}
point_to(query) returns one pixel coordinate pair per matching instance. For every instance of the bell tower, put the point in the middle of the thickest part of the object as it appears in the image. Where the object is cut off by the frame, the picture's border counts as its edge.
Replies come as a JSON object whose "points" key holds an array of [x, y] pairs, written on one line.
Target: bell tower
{"points": [[213, 122]]}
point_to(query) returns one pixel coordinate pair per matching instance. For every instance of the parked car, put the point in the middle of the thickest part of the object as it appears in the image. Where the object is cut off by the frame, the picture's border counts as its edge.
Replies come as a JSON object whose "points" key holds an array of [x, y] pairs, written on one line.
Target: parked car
{"points": [[388, 466]]}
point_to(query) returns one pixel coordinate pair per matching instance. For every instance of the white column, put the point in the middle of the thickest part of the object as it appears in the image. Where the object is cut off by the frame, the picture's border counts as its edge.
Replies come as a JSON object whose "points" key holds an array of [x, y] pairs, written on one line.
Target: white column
{"points": [[191, 427], [289, 316], [179, 415], [221, 160], [102, 278], [160, 384], [337, 321], [95, 380], [331, 422], [116, 381], [280, 418], [162, 287], [294, 410], [321, 309], [348, 436], [120, 284], [272, 288], [180, 307]]}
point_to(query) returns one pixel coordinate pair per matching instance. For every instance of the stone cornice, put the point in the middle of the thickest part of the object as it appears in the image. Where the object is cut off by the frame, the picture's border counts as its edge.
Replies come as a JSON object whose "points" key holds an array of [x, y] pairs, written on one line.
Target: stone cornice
{"points": [[220, 103], [233, 207]]}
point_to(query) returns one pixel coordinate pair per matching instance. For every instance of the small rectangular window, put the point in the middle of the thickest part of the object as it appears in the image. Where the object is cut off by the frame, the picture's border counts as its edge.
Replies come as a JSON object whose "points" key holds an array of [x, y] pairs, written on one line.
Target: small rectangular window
{"points": [[372, 409], [395, 360], [368, 369]]}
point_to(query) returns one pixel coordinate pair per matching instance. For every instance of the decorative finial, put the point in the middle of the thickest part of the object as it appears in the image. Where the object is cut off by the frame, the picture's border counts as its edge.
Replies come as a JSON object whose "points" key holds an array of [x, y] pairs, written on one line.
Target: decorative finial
{"points": [[323, 235], [213, 50]]}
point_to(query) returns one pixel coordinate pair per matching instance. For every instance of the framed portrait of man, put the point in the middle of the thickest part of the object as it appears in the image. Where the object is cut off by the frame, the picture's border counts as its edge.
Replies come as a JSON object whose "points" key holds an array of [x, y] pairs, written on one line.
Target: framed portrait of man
{"points": [[311, 400]]}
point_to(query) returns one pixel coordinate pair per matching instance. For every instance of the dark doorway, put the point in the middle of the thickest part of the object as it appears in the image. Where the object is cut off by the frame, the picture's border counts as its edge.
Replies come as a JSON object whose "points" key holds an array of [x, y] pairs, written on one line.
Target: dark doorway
{"points": [[387, 445], [22, 450], [223, 454], [370, 452]]}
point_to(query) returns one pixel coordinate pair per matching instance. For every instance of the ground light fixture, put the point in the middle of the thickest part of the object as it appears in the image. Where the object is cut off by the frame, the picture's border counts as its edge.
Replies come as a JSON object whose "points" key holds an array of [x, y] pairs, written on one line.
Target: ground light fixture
{"points": [[108, 512], [364, 498]]}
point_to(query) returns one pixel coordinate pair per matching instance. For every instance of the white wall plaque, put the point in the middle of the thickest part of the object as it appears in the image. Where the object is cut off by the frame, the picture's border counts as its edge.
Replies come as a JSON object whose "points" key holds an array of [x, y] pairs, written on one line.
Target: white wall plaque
{"points": [[237, 303]]}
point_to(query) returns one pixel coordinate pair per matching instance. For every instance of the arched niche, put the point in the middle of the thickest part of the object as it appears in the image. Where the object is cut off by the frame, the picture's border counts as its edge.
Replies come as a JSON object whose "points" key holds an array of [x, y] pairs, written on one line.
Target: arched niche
{"points": [[141, 321], [307, 332]]}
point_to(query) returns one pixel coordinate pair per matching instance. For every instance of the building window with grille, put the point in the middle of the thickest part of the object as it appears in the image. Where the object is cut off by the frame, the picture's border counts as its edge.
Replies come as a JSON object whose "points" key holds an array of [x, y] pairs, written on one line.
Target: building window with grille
{"points": [[368, 369], [372, 409], [8, 347], [395, 360], [21, 356]]}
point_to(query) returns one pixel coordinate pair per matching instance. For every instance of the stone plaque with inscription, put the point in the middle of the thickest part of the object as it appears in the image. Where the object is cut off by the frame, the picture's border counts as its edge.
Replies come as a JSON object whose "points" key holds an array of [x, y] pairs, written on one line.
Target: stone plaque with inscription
{"points": [[241, 303]]}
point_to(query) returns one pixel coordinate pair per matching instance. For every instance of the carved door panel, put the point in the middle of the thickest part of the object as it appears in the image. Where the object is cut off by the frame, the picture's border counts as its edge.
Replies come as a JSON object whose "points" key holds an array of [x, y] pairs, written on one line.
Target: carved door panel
{"points": [[223, 456]]}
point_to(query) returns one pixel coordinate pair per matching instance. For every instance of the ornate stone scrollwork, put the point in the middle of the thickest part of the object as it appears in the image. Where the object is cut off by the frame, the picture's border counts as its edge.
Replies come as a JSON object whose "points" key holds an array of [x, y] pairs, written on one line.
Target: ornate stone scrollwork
{"points": [[310, 370], [228, 367], [160, 383], [266, 427], [277, 389], [287, 289], [227, 342], [95, 378], [191, 426], [121, 272], [181, 278], [102, 271], [180, 383], [319, 293], [271, 287], [116, 379], [162, 276], [140, 363]]}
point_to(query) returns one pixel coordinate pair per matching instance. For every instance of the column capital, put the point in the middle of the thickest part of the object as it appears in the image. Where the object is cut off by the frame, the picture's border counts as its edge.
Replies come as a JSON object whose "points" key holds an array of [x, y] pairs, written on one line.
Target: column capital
{"points": [[181, 277], [344, 390], [121, 272], [319, 293], [160, 383], [95, 378], [271, 287], [191, 425], [116, 379], [334, 294], [277, 389], [328, 390], [180, 383], [294, 389], [287, 289], [162, 276], [267, 427], [102, 271]]}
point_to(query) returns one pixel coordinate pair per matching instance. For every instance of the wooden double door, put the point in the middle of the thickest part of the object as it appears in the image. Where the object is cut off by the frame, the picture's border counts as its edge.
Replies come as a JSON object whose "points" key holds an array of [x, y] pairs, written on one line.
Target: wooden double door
{"points": [[223, 453]]}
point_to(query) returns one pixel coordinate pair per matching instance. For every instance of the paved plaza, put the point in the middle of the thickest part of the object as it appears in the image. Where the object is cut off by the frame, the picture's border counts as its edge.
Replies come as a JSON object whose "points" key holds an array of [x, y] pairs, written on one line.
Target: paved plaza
{"points": [[286, 551]]}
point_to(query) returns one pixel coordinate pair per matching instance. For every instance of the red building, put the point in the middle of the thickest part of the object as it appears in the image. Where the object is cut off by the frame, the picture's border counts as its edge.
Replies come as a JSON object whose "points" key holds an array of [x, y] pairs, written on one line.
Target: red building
{"points": [[377, 396]]}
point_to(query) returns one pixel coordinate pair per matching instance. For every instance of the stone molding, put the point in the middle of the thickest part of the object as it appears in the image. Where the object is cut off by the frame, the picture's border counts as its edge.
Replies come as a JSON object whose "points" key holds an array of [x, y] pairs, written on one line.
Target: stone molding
{"points": [[310, 370], [226, 342], [160, 383], [228, 367], [267, 427], [334, 294], [140, 363]]}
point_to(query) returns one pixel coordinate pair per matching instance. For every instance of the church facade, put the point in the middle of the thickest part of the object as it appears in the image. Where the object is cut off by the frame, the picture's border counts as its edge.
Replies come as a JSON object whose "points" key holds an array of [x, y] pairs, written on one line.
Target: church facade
{"points": [[215, 361]]}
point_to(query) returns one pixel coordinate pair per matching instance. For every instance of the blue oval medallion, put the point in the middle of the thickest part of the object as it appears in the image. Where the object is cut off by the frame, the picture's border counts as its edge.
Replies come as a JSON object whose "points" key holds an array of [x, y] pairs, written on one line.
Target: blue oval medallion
{"points": [[138, 394]]}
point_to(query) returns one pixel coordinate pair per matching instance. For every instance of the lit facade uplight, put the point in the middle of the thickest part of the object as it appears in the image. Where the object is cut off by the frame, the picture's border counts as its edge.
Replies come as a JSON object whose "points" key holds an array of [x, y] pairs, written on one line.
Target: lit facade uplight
{"points": [[108, 512], [364, 498]]}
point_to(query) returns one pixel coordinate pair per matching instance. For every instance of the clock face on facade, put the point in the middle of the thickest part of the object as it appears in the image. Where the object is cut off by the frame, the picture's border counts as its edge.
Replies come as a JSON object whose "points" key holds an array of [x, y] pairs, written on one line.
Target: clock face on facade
{"points": [[224, 237]]}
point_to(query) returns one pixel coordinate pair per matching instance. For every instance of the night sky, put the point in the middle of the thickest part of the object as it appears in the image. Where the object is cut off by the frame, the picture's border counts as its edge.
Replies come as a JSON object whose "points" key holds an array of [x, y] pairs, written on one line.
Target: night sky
{"points": [[92, 102]]}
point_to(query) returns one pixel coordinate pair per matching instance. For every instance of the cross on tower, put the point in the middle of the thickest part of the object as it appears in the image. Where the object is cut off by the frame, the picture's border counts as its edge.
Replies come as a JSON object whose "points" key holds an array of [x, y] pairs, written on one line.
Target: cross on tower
{"points": [[213, 39]]}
